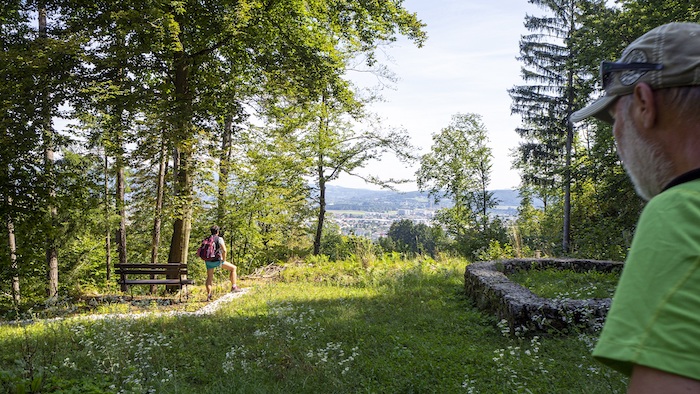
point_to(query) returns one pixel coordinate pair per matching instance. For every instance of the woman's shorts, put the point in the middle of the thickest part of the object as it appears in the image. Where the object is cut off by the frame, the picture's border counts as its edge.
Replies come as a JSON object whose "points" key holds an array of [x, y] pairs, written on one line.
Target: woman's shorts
{"points": [[213, 264]]}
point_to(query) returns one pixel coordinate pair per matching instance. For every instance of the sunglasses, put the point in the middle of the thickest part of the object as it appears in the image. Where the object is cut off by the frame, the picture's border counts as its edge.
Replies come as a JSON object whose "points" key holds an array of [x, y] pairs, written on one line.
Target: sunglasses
{"points": [[608, 68]]}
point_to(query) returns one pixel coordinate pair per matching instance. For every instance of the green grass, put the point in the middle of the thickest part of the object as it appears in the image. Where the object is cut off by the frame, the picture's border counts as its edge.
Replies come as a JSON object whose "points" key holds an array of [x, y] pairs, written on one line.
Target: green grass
{"points": [[388, 327], [556, 284]]}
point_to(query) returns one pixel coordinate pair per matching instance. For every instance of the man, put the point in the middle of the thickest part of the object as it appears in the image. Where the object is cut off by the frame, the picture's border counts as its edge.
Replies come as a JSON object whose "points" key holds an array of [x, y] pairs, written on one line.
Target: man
{"points": [[652, 97], [212, 265]]}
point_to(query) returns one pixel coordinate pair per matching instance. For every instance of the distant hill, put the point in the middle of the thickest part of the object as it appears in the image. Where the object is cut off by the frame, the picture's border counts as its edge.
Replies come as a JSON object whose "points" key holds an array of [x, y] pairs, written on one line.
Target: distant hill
{"points": [[343, 198], [507, 197]]}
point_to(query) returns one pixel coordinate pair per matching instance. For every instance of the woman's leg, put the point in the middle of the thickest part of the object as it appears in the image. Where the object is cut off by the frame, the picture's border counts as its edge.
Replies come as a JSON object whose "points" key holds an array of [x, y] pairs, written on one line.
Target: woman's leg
{"points": [[210, 280], [232, 273]]}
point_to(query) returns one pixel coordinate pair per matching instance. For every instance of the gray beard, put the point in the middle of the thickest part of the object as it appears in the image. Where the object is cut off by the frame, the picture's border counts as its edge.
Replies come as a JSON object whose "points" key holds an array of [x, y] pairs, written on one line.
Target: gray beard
{"points": [[649, 170]]}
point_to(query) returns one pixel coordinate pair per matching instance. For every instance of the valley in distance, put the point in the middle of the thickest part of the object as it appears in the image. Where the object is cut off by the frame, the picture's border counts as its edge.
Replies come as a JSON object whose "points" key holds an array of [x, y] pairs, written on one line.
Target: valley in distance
{"points": [[370, 213]]}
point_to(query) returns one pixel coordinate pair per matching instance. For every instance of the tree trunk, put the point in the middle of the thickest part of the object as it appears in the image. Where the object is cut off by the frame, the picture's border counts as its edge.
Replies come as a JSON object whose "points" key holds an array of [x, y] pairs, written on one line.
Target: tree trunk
{"points": [[323, 127], [175, 253], [52, 259], [566, 237], [484, 194], [182, 226], [108, 227], [155, 241], [121, 207], [179, 242], [14, 269], [118, 131], [570, 94], [224, 167], [47, 132], [183, 151], [321, 208], [162, 169]]}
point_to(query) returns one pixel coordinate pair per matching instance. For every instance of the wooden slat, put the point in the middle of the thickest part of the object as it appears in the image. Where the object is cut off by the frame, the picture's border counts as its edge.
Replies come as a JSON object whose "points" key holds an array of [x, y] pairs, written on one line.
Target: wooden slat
{"points": [[157, 281], [148, 271], [152, 282], [148, 265], [178, 269]]}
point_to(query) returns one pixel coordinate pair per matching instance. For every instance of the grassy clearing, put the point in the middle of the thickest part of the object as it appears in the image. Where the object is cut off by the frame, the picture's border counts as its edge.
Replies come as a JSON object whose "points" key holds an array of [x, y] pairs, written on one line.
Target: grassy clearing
{"points": [[389, 326], [558, 284]]}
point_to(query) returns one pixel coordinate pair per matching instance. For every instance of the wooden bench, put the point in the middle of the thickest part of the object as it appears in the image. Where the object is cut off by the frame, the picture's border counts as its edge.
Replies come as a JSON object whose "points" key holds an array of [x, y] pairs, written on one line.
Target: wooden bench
{"points": [[171, 273]]}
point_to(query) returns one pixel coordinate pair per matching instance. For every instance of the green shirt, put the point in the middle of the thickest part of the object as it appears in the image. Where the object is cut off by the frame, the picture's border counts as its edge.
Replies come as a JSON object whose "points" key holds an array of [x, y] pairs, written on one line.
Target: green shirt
{"points": [[654, 319]]}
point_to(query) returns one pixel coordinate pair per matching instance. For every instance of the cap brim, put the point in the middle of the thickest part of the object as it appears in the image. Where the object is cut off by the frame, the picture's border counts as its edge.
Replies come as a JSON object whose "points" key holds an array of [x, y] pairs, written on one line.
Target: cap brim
{"points": [[597, 109]]}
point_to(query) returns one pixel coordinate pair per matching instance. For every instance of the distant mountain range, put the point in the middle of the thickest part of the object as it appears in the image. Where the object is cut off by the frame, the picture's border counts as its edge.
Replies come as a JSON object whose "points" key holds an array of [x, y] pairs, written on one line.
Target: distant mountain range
{"points": [[343, 198]]}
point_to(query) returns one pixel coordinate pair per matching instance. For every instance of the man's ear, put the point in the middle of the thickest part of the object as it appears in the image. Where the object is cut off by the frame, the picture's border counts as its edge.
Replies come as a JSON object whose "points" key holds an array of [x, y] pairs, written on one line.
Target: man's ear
{"points": [[645, 105]]}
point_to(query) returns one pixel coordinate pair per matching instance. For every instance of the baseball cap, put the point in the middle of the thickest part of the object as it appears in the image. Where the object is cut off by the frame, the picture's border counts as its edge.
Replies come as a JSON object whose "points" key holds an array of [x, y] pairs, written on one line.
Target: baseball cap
{"points": [[666, 56]]}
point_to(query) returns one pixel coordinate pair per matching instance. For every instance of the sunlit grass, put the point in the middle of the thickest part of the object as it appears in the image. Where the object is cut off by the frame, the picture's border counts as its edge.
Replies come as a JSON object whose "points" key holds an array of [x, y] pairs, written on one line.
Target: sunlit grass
{"points": [[390, 326]]}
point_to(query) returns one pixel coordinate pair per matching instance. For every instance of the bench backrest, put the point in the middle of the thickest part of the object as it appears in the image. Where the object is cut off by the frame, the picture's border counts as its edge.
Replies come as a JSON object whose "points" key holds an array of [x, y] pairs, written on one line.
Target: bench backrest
{"points": [[150, 269]]}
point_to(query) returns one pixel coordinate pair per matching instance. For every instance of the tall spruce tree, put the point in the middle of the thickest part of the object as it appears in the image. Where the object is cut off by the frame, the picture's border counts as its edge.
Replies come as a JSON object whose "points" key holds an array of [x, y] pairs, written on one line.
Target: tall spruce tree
{"points": [[547, 100], [607, 206]]}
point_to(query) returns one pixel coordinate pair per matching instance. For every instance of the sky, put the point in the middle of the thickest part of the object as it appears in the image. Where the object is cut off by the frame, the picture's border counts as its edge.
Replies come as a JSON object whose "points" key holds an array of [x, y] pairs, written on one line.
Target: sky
{"points": [[467, 65]]}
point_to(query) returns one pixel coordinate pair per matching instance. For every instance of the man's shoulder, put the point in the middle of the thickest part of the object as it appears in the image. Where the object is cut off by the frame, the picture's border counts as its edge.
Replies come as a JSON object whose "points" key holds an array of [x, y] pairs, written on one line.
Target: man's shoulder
{"points": [[671, 215], [684, 194]]}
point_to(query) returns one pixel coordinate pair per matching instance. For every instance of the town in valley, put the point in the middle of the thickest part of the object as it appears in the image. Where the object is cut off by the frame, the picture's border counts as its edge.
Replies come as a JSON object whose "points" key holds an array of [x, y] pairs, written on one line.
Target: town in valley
{"points": [[370, 213]]}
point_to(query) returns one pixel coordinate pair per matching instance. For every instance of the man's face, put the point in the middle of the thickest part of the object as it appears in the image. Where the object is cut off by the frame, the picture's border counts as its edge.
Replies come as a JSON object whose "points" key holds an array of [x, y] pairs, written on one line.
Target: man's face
{"points": [[643, 159]]}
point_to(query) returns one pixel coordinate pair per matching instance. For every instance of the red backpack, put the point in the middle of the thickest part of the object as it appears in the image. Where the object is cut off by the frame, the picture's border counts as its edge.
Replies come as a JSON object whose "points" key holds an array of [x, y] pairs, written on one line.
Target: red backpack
{"points": [[209, 249]]}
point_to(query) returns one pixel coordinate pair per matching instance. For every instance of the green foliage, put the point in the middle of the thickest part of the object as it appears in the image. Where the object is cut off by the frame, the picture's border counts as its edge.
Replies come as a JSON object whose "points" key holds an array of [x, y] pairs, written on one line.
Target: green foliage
{"points": [[265, 201], [495, 251], [150, 82], [334, 243], [545, 99], [539, 229], [603, 225], [458, 167], [648, 14], [414, 239], [459, 157], [556, 82]]}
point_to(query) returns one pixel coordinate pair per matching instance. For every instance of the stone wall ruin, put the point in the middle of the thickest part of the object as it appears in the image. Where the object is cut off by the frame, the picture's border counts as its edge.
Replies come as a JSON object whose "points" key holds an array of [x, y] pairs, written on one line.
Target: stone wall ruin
{"points": [[487, 284]]}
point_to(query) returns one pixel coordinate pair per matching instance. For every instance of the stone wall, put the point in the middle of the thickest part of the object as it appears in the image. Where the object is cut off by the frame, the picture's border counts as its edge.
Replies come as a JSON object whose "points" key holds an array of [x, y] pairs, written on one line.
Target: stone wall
{"points": [[487, 284]]}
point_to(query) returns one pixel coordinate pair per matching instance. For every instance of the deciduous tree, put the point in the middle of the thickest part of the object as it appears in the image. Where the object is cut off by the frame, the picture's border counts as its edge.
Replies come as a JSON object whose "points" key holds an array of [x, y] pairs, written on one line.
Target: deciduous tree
{"points": [[458, 168]]}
